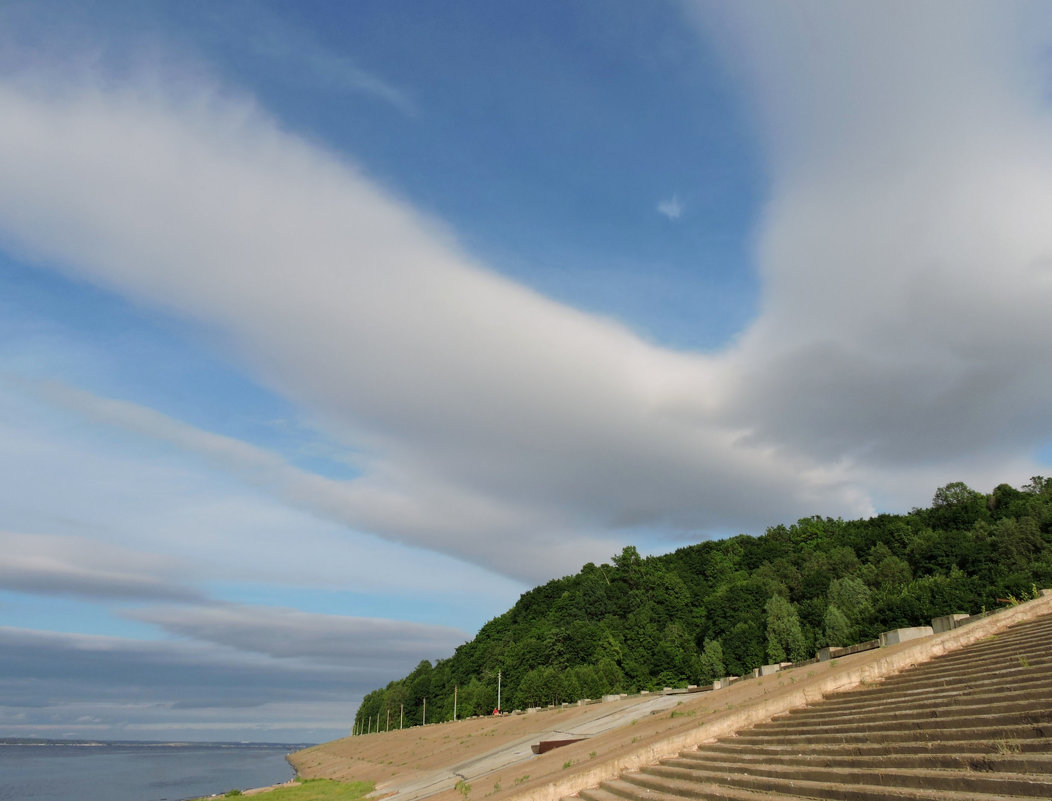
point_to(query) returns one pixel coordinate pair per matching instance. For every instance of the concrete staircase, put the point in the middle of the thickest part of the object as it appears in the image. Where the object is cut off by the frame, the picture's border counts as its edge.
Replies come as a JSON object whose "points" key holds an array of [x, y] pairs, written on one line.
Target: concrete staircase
{"points": [[972, 725]]}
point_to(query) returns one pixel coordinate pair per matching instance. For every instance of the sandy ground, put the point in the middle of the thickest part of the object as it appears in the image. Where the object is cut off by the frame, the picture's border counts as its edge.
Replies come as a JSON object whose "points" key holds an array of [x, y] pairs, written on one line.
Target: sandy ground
{"points": [[492, 755]]}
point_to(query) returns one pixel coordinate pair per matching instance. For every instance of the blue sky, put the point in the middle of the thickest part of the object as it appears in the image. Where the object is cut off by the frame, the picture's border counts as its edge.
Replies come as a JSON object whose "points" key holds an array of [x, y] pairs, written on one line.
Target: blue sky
{"points": [[328, 329]]}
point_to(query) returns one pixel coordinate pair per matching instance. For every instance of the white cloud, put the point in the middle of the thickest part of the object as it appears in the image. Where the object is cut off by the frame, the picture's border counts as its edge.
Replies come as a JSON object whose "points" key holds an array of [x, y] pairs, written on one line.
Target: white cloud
{"points": [[82, 567], [903, 253], [671, 208], [487, 413], [903, 326], [63, 685], [162, 513], [354, 643]]}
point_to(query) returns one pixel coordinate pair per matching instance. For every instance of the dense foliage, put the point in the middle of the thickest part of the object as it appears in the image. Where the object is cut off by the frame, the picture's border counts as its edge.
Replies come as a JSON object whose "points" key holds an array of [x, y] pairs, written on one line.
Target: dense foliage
{"points": [[725, 607]]}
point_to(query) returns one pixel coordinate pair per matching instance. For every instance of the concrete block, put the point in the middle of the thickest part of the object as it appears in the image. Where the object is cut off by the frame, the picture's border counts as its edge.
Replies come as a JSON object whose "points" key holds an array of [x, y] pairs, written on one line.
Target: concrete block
{"points": [[896, 636], [946, 622], [611, 697], [825, 654], [770, 670]]}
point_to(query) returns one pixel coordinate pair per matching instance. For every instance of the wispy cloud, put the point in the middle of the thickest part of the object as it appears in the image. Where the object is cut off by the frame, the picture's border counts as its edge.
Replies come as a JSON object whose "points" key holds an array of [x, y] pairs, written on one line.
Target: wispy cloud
{"points": [[275, 38], [188, 509], [671, 207], [354, 643], [77, 566], [68, 685]]}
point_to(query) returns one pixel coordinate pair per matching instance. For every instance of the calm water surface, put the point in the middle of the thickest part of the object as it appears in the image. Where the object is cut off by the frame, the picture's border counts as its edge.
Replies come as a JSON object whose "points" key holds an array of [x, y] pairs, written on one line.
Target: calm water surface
{"points": [[137, 772]]}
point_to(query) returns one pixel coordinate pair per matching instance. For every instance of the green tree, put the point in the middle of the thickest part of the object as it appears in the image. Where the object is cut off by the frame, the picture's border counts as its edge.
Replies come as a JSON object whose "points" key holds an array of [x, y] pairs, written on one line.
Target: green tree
{"points": [[588, 681], [711, 662], [785, 639], [837, 628], [743, 647], [611, 677], [852, 598], [531, 690]]}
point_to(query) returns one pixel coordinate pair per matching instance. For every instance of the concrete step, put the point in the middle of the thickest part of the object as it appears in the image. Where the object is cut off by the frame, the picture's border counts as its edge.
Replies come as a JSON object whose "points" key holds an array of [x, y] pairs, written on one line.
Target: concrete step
{"points": [[931, 672], [1008, 762], [1028, 642], [1024, 632], [948, 781], [1015, 677], [932, 734], [1040, 689], [617, 790], [1023, 658], [1033, 745], [950, 714], [994, 721], [648, 785]]}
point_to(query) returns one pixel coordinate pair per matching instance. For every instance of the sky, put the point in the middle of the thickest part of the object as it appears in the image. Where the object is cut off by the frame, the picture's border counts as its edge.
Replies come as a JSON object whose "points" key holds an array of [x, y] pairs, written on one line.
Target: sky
{"points": [[328, 329]]}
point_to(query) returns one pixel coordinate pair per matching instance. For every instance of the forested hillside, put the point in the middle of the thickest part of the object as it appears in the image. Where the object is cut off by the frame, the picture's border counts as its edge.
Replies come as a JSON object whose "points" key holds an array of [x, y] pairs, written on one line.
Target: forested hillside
{"points": [[725, 607]]}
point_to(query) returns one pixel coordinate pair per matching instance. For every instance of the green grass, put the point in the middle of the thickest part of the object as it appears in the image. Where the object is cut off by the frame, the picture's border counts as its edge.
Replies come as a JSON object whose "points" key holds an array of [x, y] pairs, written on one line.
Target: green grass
{"points": [[318, 790]]}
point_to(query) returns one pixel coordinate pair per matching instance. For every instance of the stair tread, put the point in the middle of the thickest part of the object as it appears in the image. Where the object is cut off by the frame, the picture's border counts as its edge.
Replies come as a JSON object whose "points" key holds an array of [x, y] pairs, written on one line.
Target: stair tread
{"points": [[812, 789], [877, 772]]}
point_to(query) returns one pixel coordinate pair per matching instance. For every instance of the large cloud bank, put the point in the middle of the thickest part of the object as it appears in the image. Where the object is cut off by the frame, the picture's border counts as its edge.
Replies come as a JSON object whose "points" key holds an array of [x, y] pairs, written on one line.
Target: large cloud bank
{"points": [[901, 340], [906, 248]]}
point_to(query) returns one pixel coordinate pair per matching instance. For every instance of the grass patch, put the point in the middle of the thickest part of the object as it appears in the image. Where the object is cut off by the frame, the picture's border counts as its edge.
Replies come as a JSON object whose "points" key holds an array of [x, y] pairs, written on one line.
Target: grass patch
{"points": [[315, 790], [1005, 746]]}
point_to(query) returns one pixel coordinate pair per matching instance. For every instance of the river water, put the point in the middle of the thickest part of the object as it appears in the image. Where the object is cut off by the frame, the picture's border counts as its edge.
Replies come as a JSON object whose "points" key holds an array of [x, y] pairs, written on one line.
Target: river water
{"points": [[137, 771]]}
